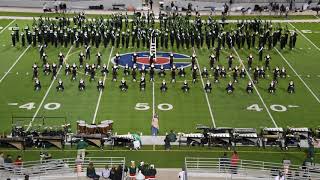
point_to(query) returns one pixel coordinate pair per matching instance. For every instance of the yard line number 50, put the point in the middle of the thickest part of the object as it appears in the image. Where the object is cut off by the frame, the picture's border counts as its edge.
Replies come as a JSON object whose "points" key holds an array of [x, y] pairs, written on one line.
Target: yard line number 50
{"points": [[49, 106], [145, 106]]}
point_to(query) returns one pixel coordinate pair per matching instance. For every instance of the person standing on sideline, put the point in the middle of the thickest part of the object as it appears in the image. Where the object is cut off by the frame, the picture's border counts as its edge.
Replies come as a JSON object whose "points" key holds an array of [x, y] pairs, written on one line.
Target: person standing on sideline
{"points": [[81, 149], [155, 125], [151, 3], [182, 174], [234, 162]]}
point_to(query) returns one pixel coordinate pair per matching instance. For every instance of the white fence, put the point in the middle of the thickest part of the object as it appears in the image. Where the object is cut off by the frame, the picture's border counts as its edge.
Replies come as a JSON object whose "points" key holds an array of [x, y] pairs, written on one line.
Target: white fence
{"points": [[57, 167], [246, 169]]}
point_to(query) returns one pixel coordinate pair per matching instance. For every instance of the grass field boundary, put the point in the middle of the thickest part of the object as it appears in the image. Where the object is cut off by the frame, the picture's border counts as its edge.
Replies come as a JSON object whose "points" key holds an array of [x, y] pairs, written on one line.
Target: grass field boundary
{"points": [[205, 93], [305, 37], [100, 93], [4, 76], [264, 104], [305, 84], [48, 90], [7, 26]]}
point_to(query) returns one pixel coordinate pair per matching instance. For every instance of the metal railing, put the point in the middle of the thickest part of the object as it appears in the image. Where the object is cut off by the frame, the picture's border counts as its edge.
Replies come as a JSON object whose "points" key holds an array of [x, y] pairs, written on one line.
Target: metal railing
{"points": [[224, 167], [58, 167]]}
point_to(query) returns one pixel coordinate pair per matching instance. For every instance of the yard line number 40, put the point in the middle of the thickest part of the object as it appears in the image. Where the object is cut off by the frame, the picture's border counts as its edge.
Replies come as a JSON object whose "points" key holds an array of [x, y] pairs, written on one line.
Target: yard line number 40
{"points": [[48, 106], [273, 107]]}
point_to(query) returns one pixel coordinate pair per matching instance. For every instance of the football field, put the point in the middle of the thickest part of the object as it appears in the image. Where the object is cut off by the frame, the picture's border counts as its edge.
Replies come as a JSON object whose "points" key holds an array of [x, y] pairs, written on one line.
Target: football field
{"points": [[132, 110]]}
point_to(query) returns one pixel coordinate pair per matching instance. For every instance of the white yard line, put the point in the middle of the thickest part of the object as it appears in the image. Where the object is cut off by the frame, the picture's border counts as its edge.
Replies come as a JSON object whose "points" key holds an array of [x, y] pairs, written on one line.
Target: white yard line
{"points": [[100, 94], [5, 75], [264, 104], [305, 37], [153, 99], [45, 96], [305, 84], [7, 26], [205, 93], [316, 16]]}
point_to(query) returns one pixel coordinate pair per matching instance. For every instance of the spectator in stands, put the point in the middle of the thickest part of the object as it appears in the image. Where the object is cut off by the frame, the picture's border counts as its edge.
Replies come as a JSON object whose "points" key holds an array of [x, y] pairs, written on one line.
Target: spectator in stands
{"points": [[152, 172], [234, 162], [106, 172], [151, 3], [91, 172], [155, 125], [18, 161], [8, 159], [280, 176], [81, 148], [132, 170], [224, 162], [113, 173], [182, 174], [118, 173], [1, 160], [140, 176]]}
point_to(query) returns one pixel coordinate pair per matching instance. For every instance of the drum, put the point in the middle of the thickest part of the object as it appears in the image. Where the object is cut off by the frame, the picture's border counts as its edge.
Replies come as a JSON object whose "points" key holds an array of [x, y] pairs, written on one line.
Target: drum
{"points": [[82, 128], [109, 122], [91, 129], [103, 128]]}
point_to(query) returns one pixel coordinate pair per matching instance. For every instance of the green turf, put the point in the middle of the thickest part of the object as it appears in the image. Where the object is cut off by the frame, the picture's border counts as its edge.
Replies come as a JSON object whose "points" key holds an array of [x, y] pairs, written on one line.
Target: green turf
{"points": [[189, 109]]}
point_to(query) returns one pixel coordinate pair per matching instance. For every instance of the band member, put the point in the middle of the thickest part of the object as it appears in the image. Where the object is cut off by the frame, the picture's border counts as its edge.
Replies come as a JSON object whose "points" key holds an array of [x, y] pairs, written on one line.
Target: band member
{"points": [[117, 59], [104, 70], [205, 73], [114, 72], [235, 74], [88, 52], [61, 59], [193, 60], [212, 61], [44, 58], [126, 70], [74, 71], [60, 86], [256, 75], [162, 72], [81, 58], [142, 84], [100, 85], [87, 69], [185, 86], [163, 87], [134, 73], [276, 74], [173, 74], [92, 72], [54, 71], [171, 59], [242, 73], [152, 71], [47, 69], [182, 72], [98, 59], [267, 61], [81, 85], [208, 87], [230, 59], [249, 87], [216, 73], [134, 58], [262, 73], [67, 70], [283, 73], [229, 88], [123, 85], [37, 85], [223, 72], [291, 87], [194, 74], [143, 70], [35, 69], [250, 60], [272, 87]]}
